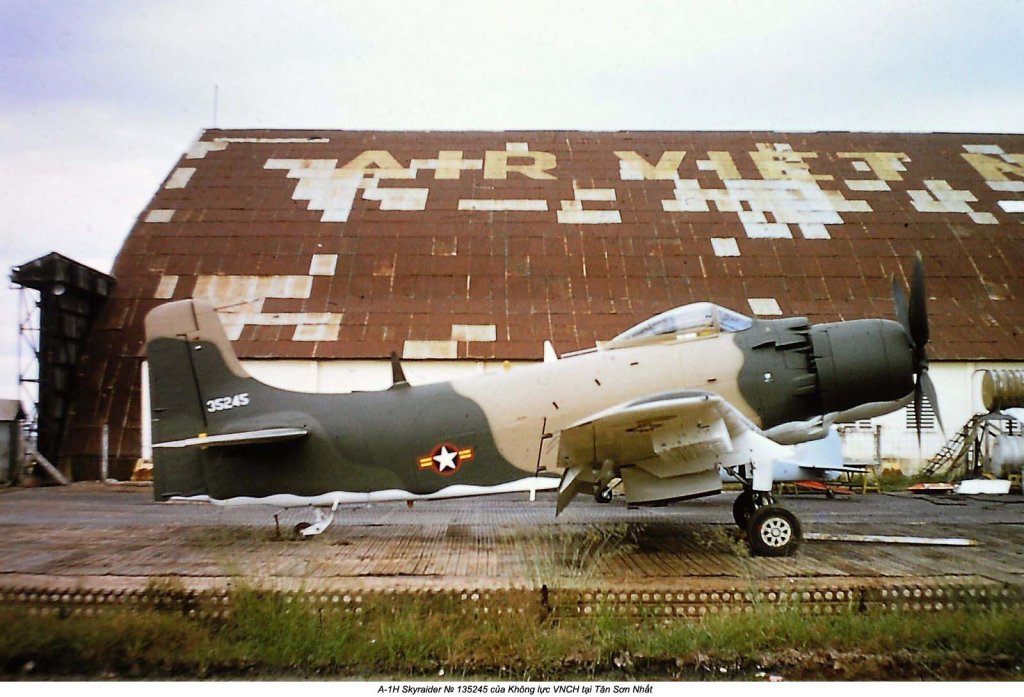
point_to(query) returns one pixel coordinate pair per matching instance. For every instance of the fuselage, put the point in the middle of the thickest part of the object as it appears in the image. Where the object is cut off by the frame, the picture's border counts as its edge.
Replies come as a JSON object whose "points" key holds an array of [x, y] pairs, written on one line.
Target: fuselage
{"points": [[489, 432]]}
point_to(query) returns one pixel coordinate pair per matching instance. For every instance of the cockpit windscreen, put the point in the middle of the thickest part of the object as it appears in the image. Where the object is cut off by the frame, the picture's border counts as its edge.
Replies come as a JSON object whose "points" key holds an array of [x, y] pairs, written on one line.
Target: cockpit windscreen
{"points": [[697, 319]]}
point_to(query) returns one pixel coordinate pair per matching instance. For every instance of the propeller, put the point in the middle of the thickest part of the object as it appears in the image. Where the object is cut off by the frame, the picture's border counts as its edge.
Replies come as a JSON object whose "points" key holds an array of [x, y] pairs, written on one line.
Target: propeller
{"points": [[913, 315]]}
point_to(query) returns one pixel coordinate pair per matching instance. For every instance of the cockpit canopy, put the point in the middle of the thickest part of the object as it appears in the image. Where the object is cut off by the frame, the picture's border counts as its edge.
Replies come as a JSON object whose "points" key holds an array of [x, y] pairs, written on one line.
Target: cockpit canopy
{"points": [[686, 322]]}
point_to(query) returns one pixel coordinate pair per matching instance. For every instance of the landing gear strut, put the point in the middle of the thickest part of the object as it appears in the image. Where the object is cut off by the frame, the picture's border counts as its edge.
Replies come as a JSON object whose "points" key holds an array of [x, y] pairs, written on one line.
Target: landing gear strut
{"points": [[323, 520], [607, 478], [742, 508], [772, 531]]}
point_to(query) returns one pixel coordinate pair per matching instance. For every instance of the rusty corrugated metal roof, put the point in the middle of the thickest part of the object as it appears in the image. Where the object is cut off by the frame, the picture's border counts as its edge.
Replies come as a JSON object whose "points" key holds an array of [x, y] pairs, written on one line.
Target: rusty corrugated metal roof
{"points": [[339, 244]]}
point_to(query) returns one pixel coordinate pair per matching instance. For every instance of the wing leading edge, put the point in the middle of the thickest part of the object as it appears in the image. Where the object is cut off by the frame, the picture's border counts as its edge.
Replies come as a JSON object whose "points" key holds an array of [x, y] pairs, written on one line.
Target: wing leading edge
{"points": [[666, 447]]}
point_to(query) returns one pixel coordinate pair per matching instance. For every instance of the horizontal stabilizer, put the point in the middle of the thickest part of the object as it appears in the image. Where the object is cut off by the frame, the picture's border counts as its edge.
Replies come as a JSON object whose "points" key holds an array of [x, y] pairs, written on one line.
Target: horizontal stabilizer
{"points": [[264, 435]]}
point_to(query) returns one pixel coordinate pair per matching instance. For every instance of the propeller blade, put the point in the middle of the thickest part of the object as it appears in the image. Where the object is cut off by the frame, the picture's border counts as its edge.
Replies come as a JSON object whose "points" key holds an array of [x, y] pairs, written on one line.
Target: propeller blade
{"points": [[928, 388], [918, 315], [917, 409], [899, 299]]}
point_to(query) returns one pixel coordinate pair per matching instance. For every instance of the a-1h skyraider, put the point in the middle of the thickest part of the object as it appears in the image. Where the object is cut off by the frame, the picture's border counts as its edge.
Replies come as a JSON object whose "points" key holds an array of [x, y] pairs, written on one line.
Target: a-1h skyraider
{"points": [[662, 409]]}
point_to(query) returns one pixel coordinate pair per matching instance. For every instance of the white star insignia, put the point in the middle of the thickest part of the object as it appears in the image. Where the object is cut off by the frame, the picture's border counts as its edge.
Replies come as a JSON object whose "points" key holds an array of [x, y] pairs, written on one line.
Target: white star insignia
{"points": [[445, 459]]}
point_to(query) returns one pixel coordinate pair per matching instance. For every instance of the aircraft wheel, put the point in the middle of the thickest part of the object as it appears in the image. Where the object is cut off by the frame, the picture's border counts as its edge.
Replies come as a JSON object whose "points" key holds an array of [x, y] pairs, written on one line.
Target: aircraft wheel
{"points": [[743, 508], [773, 532], [603, 495], [299, 527]]}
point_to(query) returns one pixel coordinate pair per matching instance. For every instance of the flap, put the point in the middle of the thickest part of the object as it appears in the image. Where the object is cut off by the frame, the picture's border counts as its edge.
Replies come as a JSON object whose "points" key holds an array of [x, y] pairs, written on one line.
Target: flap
{"points": [[682, 431]]}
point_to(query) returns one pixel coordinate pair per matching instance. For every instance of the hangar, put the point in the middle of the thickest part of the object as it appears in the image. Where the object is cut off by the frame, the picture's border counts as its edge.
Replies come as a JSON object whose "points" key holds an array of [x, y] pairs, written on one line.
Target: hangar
{"points": [[463, 251]]}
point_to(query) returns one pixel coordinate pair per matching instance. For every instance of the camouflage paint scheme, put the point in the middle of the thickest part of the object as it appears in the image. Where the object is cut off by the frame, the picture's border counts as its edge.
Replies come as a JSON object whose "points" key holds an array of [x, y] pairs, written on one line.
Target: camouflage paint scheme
{"points": [[663, 412]]}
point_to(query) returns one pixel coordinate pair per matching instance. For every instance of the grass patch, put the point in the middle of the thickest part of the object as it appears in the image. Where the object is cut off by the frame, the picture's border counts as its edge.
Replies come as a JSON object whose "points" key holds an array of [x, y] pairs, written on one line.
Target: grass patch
{"points": [[555, 554], [895, 481], [414, 637]]}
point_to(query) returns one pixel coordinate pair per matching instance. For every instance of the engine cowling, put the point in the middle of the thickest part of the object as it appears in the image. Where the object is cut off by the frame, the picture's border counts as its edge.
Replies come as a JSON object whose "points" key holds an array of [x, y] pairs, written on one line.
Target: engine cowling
{"points": [[794, 371]]}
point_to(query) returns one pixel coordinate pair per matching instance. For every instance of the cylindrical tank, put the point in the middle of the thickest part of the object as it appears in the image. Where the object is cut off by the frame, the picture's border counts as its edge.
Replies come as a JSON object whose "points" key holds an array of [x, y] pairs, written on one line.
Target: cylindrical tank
{"points": [[1002, 389], [1007, 455]]}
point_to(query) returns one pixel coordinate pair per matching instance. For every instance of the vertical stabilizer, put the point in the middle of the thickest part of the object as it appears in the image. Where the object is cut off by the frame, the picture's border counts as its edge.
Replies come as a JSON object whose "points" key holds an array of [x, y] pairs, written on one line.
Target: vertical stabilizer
{"points": [[183, 341]]}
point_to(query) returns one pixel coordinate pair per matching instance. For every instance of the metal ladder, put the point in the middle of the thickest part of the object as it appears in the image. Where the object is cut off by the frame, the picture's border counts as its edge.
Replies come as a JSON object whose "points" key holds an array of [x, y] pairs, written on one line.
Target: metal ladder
{"points": [[956, 450]]}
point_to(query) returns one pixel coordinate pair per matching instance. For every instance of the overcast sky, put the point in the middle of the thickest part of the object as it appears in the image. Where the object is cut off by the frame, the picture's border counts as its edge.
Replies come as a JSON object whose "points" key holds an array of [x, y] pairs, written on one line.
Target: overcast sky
{"points": [[99, 98]]}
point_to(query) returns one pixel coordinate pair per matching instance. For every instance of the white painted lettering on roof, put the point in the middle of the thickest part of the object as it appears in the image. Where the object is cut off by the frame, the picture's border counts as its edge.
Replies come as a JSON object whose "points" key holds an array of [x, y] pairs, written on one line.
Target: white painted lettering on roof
{"points": [[448, 165], [725, 246], [688, 197], [798, 202], [238, 290], [200, 148], [481, 204], [788, 198], [633, 167], [887, 166], [326, 188], [240, 300], [867, 185], [1006, 186], [180, 177], [160, 215], [309, 326], [984, 149], [430, 349], [474, 332], [165, 289], [942, 198], [764, 306], [272, 140], [498, 164], [779, 161], [573, 213], [323, 264], [396, 199], [1001, 171]]}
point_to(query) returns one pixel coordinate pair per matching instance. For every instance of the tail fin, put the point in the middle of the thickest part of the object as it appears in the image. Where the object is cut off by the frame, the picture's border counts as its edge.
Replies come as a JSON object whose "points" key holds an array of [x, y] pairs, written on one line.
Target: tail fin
{"points": [[190, 361]]}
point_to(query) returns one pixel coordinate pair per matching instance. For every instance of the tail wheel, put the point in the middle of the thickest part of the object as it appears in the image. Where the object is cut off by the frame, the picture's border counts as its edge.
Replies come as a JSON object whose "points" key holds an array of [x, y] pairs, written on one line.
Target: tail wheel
{"points": [[743, 509], [603, 495], [773, 532]]}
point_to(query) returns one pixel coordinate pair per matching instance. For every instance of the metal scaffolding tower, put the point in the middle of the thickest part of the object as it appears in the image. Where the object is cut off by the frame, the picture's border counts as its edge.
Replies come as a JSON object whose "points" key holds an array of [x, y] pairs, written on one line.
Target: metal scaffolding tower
{"points": [[60, 301]]}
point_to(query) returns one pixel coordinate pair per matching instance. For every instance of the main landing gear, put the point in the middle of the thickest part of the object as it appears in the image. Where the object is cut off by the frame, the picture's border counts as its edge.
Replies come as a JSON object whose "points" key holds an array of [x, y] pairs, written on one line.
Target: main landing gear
{"points": [[772, 531]]}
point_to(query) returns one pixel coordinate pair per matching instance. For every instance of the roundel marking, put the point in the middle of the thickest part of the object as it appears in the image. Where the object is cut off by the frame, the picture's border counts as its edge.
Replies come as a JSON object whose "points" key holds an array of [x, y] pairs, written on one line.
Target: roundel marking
{"points": [[446, 459]]}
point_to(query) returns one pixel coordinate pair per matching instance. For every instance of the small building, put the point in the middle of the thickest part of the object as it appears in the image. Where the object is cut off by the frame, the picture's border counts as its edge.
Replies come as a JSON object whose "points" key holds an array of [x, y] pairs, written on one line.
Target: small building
{"points": [[324, 251], [12, 448]]}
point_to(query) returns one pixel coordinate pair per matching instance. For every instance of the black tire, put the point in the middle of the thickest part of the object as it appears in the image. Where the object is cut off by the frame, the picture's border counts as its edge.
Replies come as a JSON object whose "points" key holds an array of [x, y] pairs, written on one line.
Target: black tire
{"points": [[773, 532], [299, 527], [743, 508], [603, 495]]}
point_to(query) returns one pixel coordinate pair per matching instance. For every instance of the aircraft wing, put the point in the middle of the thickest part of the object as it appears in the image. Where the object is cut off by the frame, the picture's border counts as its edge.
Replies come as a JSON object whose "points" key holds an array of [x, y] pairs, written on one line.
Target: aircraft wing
{"points": [[665, 447]]}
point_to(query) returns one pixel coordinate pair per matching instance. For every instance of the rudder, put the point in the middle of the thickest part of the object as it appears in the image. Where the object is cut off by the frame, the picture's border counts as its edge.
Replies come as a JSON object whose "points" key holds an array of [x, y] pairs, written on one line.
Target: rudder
{"points": [[175, 335]]}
